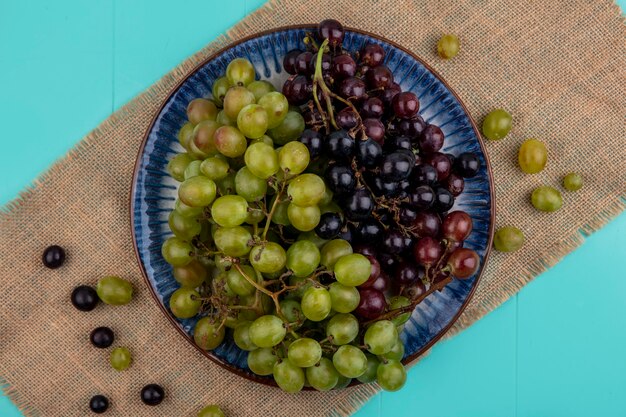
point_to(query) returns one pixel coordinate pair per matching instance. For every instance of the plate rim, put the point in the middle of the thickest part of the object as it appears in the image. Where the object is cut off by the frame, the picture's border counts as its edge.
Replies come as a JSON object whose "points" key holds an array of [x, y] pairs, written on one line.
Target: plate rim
{"points": [[205, 61]]}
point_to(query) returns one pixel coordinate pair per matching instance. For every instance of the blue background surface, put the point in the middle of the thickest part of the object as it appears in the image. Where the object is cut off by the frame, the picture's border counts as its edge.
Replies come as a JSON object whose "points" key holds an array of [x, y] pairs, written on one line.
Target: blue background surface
{"points": [[555, 349]]}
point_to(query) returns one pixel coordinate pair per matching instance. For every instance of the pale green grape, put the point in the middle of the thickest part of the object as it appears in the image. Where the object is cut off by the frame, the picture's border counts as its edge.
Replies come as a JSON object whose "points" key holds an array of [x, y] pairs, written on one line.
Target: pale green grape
{"points": [[177, 165], [292, 311], [185, 303], [304, 352], [269, 258], [262, 160], [236, 99], [224, 120], [220, 87], [294, 158], [342, 382], [233, 241], [289, 377], [391, 376], [201, 109], [276, 106], [267, 331], [265, 139], [198, 191], [289, 129], [238, 283], [396, 302], [261, 361], [380, 337], [353, 269], [350, 361], [211, 411], [230, 141], [396, 352], [176, 252], [226, 185], [252, 121], [546, 199], [334, 250], [114, 290], [573, 181], [191, 275], [183, 227], [208, 334], [303, 218], [240, 71], [229, 210], [342, 329], [370, 372], [316, 304], [249, 186], [306, 189], [323, 376], [192, 170], [202, 142], [214, 168], [303, 258], [260, 88], [255, 215], [497, 124], [242, 336], [344, 298], [185, 135], [120, 358]]}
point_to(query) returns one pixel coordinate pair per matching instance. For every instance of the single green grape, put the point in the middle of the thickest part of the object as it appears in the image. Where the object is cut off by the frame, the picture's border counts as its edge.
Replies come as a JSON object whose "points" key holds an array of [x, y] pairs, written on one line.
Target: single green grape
{"points": [[240, 71], [508, 239], [448, 46], [224, 120], [265, 139], [255, 214], [229, 210], [289, 129], [220, 87], [176, 252], [396, 352], [342, 382], [241, 336], [238, 283], [292, 310], [185, 135], [260, 88], [304, 352], [185, 303], [208, 334], [236, 99], [370, 372], [350, 361], [327, 199], [391, 376], [306, 189], [353, 269], [252, 121], [183, 227], [380, 337], [397, 302], [201, 109], [573, 182], [268, 258], [316, 304], [294, 158], [267, 331], [280, 213], [497, 124], [197, 191], [546, 199], [192, 170], [261, 361], [303, 258], [249, 186], [344, 298], [211, 411], [191, 275], [233, 241], [303, 218], [289, 377], [202, 142], [187, 211], [177, 165], [226, 185], [262, 160], [276, 106], [532, 156], [229, 141], [114, 290], [222, 263], [214, 168], [323, 376], [334, 250], [120, 358]]}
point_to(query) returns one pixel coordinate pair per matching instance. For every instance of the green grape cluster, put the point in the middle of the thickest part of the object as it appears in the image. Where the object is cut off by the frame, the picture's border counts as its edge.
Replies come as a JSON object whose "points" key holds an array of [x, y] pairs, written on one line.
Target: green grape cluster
{"points": [[244, 182]]}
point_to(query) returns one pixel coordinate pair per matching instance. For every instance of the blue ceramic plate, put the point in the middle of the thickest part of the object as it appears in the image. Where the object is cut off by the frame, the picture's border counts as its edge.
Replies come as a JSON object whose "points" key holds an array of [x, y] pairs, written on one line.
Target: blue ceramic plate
{"points": [[154, 192]]}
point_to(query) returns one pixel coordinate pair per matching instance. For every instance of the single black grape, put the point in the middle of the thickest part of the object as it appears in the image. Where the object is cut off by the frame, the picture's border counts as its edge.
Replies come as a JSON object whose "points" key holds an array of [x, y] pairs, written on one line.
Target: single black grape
{"points": [[342, 66], [358, 205], [441, 163], [369, 231], [297, 89], [411, 128], [303, 63], [329, 226], [374, 129], [408, 273], [387, 94], [152, 394], [381, 187], [345, 118], [312, 139], [53, 256], [405, 104], [387, 261], [368, 153], [398, 142], [366, 249], [407, 214], [332, 30], [340, 145], [102, 337], [84, 298], [431, 139], [424, 174], [422, 197], [444, 200], [289, 61], [394, 241], [397, 166], [373, 107], [455, 184], [379, 77], [404, 187], [353, 88], [466, 165], [99, 404], [372, 55], [340, 179]]}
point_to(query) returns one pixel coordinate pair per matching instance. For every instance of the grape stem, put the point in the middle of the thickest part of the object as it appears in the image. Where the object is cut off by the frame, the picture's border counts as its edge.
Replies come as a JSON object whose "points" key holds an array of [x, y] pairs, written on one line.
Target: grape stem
{"points": [[406, 309], [268, 221]]}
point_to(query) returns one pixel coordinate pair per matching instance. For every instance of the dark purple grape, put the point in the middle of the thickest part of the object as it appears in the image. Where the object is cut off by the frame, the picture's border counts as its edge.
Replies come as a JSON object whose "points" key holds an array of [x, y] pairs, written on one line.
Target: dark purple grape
{"points": [[387, 261], [404, 187], [455, 184], [456, 226], [303, 63], [99, 404], [373, 107], [372, 303], [332, 30], [340, 145], [407, 273], [346, 119], [411, 128], [289, 61], [381, 187], [427, 251], [396, 166], [467, 165], [152, 394], [368, 231], [358, 205], [380, 283], [379, 77], [407, 215], [397, 142], [441, 163], [463, 263], [389, 93], [102, 337], [405, 104], [426, 223], [365, 249], [394, 241], [368, 153], [53, 256], [312, 139], [326, 64], [422, 197], [375, 270], [329, 226], [431, 139], [84, 298], [372, 55], [353, 89], [444, 200], [297, 89], [424, 174], [340, 179], [343, 66], [374, 129]]}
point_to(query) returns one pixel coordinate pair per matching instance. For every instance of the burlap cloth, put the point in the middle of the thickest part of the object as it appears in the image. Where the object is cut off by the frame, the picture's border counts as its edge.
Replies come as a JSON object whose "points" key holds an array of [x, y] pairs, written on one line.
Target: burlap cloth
{"points": [[557, 66]]}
